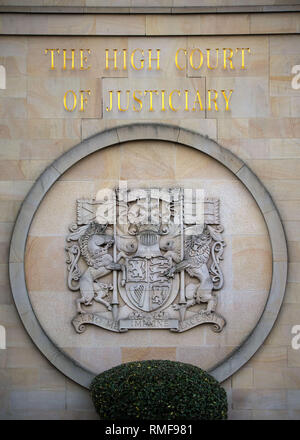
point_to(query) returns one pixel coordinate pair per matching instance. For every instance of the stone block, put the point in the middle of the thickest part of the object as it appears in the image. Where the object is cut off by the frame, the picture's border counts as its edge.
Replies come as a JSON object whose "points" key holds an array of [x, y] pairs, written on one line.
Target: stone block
{"points": [[243, 378], [25, 24], [247, 148], [3, 359], [74, 24], [249, 98], [273, 356], [14, 129], [293, 355], [49, 128], [203, 357], [285, 106], [61, 201], [192, 164], [270, 415], [276, 169], [51, 379], [259, 399], [172, 25], [23, 378], [9, 210], [85, 148], [206, 24], [13, 190], [287, 23], [274, 128], [43, 400], [292, 230], [266, 377], [284, 45], [40, 277], [289, 315], [130, 354], [292, 377], [294, 274], [233, 128], [289, 210], [156, 160], [251, 270], [77, 398], [239, 414], [293, 399], [292, 293], [15, 88], [284, 148], [25, 357], [93, 358], [120, 25], [210, 147], [289, 191]]}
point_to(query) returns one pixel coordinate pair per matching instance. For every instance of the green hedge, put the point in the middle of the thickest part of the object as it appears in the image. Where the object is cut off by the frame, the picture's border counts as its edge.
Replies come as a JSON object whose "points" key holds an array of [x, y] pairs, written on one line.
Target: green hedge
{"points": [[158, 390]]}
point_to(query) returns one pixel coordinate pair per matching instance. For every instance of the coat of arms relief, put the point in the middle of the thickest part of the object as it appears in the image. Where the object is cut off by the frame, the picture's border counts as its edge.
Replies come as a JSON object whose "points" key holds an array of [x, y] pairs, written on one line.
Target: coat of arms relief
{"points": [[147, 259]]}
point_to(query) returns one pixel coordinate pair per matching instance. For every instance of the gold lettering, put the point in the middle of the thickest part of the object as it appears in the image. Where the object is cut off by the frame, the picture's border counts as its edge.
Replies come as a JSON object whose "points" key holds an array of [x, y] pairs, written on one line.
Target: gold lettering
{"points": [[114, 59], [83, 100], [124, 59], [170, 100], [186, 92], [163, 109], [137, 100], [176, 59], [119, 100], [83, 59], [141, 60], [108, 109], [74, 100], [208, 59], [197, 101], [214, 99], [151, 98], [154, 59], [52, 66], [229, 58], [227, 99], [243, 54], [200, 61], [72, 59]]}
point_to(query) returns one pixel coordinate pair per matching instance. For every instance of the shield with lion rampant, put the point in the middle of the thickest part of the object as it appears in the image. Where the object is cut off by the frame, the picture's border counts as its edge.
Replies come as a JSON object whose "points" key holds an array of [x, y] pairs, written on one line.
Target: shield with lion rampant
{"points": [[147, 285]]}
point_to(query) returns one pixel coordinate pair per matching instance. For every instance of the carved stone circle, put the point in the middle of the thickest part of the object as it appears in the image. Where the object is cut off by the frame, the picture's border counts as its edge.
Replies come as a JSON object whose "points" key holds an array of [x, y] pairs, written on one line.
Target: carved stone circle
{"points": [[91, 243]]}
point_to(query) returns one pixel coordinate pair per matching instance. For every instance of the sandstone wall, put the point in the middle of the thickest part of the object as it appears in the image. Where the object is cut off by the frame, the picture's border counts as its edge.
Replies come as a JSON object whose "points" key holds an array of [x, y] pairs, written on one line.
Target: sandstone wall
{"points": [[263, 129]]}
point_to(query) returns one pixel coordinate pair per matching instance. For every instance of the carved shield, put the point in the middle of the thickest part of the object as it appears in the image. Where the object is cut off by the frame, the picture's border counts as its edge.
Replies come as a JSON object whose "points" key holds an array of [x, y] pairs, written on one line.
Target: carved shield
{"points": [[147, 286]]}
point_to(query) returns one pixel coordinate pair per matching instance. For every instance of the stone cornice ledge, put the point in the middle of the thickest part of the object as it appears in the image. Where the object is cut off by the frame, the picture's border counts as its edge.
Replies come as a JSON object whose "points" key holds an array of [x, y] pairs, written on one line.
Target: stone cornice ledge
{"points": [[150, 24], [127, 9]]}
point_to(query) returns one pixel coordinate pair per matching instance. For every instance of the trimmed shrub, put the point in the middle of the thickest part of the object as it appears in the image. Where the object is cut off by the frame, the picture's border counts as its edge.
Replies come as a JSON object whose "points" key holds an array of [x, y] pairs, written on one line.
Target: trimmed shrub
{"points": [[158, 390]]}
